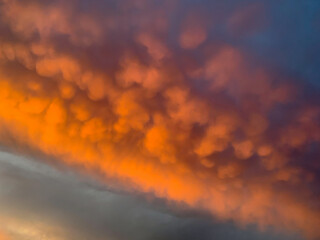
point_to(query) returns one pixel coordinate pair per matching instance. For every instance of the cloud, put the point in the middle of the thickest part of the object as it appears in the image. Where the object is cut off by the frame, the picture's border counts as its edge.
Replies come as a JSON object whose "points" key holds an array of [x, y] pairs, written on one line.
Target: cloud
{"points": [[3, 236], [41, 202], [156, 100]]}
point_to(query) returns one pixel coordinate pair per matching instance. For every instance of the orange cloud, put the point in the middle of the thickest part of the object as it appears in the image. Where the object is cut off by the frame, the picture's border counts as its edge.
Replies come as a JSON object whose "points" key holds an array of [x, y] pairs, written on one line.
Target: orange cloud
{"points": [[134, 115], [3, 236]]}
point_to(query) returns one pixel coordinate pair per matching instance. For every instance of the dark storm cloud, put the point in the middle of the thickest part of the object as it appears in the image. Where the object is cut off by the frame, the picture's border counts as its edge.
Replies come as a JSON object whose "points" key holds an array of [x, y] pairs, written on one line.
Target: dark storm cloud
{"points": [[40, 202]]}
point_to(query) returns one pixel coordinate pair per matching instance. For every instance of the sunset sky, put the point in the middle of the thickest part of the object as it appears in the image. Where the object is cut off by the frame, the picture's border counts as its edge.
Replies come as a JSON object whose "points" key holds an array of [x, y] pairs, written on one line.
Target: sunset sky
{"points": [[159, 120]]}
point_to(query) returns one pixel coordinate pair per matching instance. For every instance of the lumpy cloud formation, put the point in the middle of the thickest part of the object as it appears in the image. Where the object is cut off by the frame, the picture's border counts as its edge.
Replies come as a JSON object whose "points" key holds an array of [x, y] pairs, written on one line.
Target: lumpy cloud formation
{"points": [[153, 96]]}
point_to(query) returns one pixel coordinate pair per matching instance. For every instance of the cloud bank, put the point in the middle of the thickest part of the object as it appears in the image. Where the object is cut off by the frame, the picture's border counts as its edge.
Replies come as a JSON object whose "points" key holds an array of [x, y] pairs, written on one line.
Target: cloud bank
{"points": [[38, 202], [160, 99]]}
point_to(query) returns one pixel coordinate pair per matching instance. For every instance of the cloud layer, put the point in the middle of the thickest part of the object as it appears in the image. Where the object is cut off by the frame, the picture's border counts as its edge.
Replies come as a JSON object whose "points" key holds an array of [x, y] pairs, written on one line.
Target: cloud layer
{"points": [[157, 99], [38, 202]]}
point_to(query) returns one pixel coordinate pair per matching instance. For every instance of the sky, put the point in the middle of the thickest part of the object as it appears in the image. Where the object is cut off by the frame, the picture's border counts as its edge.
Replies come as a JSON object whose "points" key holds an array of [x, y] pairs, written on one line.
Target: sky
{"points": [[149, 119]]}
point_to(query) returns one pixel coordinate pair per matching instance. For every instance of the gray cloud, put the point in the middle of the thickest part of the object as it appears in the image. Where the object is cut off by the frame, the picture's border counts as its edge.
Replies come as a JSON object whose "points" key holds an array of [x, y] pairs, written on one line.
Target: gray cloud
{"points": [[41, 202]]}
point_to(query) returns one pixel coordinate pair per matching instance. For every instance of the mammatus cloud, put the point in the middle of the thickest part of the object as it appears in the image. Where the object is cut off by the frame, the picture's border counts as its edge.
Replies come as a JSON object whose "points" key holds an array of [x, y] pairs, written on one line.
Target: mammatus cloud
{"points": [[153, 98]]}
